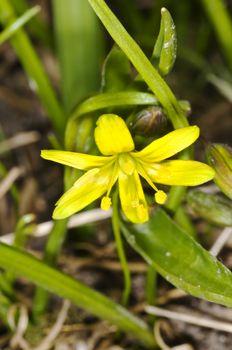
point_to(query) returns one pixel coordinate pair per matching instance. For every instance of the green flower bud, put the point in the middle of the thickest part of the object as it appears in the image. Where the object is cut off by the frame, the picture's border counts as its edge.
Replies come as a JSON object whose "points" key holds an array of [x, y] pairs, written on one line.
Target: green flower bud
{"points": [[149, 121], [211, 207], [220, 158]]}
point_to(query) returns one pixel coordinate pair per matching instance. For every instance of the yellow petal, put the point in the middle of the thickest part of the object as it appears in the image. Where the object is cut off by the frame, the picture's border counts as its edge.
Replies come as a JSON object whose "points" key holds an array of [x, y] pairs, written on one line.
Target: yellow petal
{"points": [[112, 135], [76, 160], [132, 198], [169, 144], [180, 173], [86, 189]]}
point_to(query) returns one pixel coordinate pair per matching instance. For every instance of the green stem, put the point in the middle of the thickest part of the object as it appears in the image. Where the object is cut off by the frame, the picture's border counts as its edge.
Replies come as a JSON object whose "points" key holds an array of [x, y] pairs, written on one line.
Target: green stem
{"points": [[33, 67], [151, 282], [175, 196], [120, 249], [221, 20]]}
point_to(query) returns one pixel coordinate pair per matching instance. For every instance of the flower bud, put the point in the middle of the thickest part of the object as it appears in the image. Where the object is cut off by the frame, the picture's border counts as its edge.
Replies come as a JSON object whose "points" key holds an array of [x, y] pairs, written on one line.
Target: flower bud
{"points": [[220, 158], [211, 207], [149, 121]]}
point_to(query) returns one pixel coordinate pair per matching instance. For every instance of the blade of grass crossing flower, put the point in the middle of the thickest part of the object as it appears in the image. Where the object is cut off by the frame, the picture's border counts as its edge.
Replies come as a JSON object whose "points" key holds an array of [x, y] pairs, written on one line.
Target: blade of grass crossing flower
{"points": [[141, 63], [20, 22], [80, 49], [67, 287], [33, 67]]}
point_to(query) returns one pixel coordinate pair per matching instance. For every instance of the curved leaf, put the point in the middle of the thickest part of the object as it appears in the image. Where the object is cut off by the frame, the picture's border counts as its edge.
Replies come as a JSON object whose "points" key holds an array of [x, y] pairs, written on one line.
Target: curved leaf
{"points": [[180, 259]]}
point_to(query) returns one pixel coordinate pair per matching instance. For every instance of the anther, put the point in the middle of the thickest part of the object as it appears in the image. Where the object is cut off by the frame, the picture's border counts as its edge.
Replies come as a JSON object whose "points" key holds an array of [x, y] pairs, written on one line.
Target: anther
{"points": [[106, 203], [160, 197]]}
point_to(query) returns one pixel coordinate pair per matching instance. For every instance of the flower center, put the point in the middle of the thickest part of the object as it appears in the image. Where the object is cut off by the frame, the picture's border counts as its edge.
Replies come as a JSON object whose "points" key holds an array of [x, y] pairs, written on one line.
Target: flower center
{"points": [[126, 163]]}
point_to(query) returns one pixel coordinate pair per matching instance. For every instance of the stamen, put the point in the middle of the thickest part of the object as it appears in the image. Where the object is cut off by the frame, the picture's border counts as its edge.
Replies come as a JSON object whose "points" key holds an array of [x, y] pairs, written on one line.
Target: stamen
{"points": [[106, 200], [106, 203], [160, 197]]}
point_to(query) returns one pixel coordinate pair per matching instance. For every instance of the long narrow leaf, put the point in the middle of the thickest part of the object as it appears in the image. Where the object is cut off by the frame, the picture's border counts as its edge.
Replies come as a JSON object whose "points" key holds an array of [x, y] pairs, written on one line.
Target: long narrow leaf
{"points": [[79, 44], [33, 67], [25, 265]]}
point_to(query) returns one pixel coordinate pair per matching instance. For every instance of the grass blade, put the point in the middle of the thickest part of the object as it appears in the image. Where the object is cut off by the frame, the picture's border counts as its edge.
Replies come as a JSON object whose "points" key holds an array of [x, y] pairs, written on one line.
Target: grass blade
{"points": [[67, 287], [79, 46], [33, 68]]}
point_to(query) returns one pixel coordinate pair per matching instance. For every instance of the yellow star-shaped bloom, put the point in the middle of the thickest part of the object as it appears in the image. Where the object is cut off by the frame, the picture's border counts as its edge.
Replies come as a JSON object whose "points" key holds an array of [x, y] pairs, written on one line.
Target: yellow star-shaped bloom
{"points": [[121, 162]]}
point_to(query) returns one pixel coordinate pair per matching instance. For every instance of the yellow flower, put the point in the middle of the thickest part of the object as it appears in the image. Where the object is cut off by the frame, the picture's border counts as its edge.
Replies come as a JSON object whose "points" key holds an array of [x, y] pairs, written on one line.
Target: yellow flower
{"points": [[121, 162]]}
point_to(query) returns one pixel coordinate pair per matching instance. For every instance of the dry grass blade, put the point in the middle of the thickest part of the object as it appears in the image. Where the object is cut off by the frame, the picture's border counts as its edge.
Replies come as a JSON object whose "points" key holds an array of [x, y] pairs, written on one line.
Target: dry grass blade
{"points": [[19, 140], [43, 229], [195, 320], [161, 342], [48, 341], [221, 241], [9, 179]]}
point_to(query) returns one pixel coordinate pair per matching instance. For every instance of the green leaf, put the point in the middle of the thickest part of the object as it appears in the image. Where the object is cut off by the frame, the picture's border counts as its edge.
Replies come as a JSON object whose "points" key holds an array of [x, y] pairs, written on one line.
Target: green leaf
{"points": [[116, 72], [164, 53], [36, 271], [80, 49], [33, 67], [211, 207], [219, 157], [180, 259]]}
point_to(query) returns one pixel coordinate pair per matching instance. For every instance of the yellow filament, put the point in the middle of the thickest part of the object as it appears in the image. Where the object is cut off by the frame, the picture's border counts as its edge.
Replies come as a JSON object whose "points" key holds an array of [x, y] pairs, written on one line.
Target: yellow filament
{"points": [[160, 196]]}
